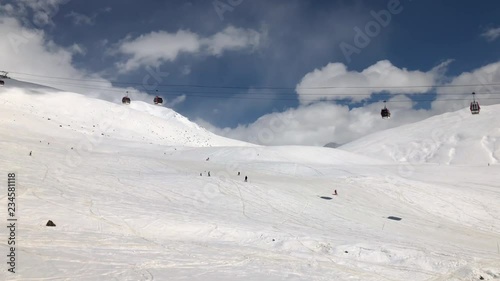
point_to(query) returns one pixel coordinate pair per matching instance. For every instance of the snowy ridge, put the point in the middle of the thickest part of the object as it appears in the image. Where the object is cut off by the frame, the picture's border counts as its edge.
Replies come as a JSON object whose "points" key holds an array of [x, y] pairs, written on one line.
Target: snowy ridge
{"points": [[456, 138], [67, 113]]}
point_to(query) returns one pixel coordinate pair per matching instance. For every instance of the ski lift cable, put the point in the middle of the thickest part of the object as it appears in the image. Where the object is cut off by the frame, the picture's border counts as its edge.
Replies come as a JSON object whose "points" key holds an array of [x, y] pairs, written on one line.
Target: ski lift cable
{"points": [[250, 87], [226, 94]]}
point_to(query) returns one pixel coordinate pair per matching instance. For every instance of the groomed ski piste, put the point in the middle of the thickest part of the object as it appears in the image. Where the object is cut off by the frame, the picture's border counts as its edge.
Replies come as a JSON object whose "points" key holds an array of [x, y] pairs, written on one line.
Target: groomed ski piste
{"points": [[122, 184]]}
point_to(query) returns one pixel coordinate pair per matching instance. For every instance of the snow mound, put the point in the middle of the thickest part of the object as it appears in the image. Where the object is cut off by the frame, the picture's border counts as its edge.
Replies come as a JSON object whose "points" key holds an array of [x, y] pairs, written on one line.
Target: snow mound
{"points": [[456, 138]]}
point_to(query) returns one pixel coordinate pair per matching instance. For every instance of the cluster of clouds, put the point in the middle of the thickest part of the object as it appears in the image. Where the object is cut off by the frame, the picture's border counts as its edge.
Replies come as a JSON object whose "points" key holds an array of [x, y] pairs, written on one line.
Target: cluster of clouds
{"points": [[157, 47], [316, 121], [332, 82], [491, 34], [33, 13]]}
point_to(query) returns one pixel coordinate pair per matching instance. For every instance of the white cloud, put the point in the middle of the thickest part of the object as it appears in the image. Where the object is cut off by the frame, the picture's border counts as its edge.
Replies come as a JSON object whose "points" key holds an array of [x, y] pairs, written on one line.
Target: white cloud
{"points": [[177, 100], [492, 34], [80, 19], [323, 122], [381, 74], [232, 38], [480, 79], [186, 70], [27, 50], [7, 9], [39, 12], [157, 47], [78, 49]]}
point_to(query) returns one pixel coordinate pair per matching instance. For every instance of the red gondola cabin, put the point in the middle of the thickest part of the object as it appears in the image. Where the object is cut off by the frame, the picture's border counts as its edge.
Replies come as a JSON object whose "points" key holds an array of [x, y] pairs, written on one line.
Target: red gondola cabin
{"points": [[158, 100]]}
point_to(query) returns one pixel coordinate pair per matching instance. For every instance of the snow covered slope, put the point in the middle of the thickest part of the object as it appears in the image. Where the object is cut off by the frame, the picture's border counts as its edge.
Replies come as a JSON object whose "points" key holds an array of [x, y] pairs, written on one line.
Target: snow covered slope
{"points": [[132, 200], [43, 111], [456, 138]]}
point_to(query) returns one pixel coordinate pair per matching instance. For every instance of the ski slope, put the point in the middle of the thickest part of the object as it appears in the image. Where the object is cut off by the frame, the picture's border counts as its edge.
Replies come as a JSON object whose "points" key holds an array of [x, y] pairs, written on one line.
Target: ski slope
{"points": [[130, 204], [50, 112], [456, 138]]}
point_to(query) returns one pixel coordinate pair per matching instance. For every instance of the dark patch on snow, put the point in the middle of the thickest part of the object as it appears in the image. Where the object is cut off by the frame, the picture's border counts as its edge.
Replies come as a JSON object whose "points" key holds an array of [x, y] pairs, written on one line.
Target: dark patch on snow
{"points": [[326, 197], [394, 218]]}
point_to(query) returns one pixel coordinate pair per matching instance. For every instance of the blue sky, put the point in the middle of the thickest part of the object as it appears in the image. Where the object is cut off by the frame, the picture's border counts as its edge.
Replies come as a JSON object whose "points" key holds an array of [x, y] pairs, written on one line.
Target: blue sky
{"points": [[259, 44]]}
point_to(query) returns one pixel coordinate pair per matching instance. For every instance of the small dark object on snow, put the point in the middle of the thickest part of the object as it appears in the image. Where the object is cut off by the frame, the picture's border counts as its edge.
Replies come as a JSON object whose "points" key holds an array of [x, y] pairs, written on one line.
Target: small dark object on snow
{"points": [[60, 126], [71, 148], [238, 173], [335, 192], [208, 173], [481, 277], [246, 178], [201, 175], [274, 240], [50, 223], [30, 152], [208, 159], [394, 218], [346, 252], [326, 197]]}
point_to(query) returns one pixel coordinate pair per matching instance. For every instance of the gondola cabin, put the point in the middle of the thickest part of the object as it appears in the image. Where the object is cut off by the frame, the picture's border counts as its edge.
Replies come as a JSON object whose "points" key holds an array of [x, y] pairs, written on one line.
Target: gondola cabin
{"points": [[385, 113], [126, 100], [158, 100], [474, 105]]}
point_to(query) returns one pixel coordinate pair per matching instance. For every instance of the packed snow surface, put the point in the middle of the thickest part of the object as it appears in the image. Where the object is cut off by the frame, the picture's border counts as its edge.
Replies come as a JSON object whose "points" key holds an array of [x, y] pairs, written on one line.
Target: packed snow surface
{"points": [[129, 192]]}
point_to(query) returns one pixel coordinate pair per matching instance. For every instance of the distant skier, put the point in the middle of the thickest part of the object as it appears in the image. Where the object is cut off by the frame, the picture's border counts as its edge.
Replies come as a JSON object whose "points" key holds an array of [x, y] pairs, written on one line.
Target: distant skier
{"points": [[335, 192], [30, 152], [201, 175], [208, 173], [246, 178], [238, 173], [208, 159]]}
